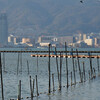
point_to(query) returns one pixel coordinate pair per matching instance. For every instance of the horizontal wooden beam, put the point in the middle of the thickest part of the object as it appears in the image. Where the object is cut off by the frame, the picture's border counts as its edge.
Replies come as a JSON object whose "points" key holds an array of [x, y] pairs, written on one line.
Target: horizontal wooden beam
{"points": [[35, 51], [68, 56]]}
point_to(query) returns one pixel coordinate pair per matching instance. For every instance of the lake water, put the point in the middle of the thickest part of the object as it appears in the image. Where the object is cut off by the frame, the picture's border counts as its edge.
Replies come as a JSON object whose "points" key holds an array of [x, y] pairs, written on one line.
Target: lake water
{"points": [[89, 90]]}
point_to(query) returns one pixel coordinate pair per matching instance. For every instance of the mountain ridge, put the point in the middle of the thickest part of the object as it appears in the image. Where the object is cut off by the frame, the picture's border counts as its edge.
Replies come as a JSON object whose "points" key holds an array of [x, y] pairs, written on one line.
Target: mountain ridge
{"points": [[52, 16]]}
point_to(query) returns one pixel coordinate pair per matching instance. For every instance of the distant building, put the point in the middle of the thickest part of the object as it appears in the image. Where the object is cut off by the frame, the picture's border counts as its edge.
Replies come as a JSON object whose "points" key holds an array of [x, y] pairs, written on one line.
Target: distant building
{"points": [[67, 39], [3, 29], [97, 42], [25, 40], [84, 37], [11, 39], [17, 40], [44, 44], [46, 39], [80, 37], [89, 42]]}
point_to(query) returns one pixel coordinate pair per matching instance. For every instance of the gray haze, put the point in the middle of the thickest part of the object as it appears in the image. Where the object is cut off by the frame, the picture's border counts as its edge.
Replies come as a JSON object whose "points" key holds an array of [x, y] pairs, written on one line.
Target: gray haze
{"points": [[52, 16]]}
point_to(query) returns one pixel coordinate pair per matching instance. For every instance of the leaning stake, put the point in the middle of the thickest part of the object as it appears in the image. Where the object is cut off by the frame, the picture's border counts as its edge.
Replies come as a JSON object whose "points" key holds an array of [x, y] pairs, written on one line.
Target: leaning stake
{"points": [[1, 79], [66, 65]]}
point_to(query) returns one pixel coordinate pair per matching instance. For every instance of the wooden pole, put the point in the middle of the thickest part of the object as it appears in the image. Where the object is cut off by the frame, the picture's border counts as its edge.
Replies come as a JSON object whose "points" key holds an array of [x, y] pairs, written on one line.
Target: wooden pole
{"points": [[33, 84], [66, 64], [60, 72], [82, 77], [4, 61], [91, 65], [76, 65], [19, 90], [28, 67], [49, 90], [71, 79], [37, 86], [21, 61], [53, 82], [37, 62], [98, 63], [84, 72], [79, 65], [57, 65], [31, 89], [18, 64], [2, 92], [89, 74], [73, 67]]}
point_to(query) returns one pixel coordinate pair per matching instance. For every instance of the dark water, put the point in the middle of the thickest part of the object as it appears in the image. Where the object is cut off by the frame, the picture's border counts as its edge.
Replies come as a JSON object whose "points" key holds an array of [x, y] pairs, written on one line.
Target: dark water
{"points": [[89, 90]]}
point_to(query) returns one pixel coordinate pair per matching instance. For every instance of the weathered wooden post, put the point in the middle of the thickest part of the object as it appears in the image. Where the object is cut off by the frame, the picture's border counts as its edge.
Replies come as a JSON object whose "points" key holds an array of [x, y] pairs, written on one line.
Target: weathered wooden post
{"points": [[84, 72], [31, 89], [57, 64], [33, 84], [66, 64], [2, 92], [98, 62], [82, 77], [21, 61], [37, 62], [79, 65], [18, 64], [37, 86], [60, 78], [89, 74], [53, 82], [73, 67], [4, 61], [28, 67], [49, 90], [71, 79], [19, 90], [76, 65], [90, 64]]}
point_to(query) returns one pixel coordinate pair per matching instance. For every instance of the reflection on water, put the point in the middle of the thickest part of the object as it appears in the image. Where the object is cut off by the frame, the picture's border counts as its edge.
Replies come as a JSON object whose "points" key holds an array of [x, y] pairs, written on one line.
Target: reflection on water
{"points": [[88, 90]]}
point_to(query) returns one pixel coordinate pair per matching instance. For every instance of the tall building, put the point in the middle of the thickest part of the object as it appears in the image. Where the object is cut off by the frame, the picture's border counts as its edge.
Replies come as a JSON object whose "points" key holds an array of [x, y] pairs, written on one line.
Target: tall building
{"points": [[3, 29], [84, 37]]}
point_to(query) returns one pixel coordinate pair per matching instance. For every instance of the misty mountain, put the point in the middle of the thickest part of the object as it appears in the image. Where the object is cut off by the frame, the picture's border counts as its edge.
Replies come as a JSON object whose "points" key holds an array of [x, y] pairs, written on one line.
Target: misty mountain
{"points": [[52, 16]]}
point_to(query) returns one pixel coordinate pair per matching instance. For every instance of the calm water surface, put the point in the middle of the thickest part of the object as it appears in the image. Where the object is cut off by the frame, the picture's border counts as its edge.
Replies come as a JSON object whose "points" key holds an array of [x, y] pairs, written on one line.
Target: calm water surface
{"points": [[89, 90]]}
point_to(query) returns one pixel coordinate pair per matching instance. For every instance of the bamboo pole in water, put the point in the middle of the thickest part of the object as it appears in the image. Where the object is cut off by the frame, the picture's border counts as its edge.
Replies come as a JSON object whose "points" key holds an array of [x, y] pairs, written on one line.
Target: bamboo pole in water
{"points": [[73, 67], [57, 64], [49, 90], [71, 79], [33, 84], [31, 89], [37, 62], [4, 61], [53, 82], [84, 71], [98, 63], [37, 86], [2, 91], [28, 66], [18, 64], [79, 65], [19, 90], [91, 65], [66, 65], [89, 74], [21, 61], [82, 77], [60, 72]]}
